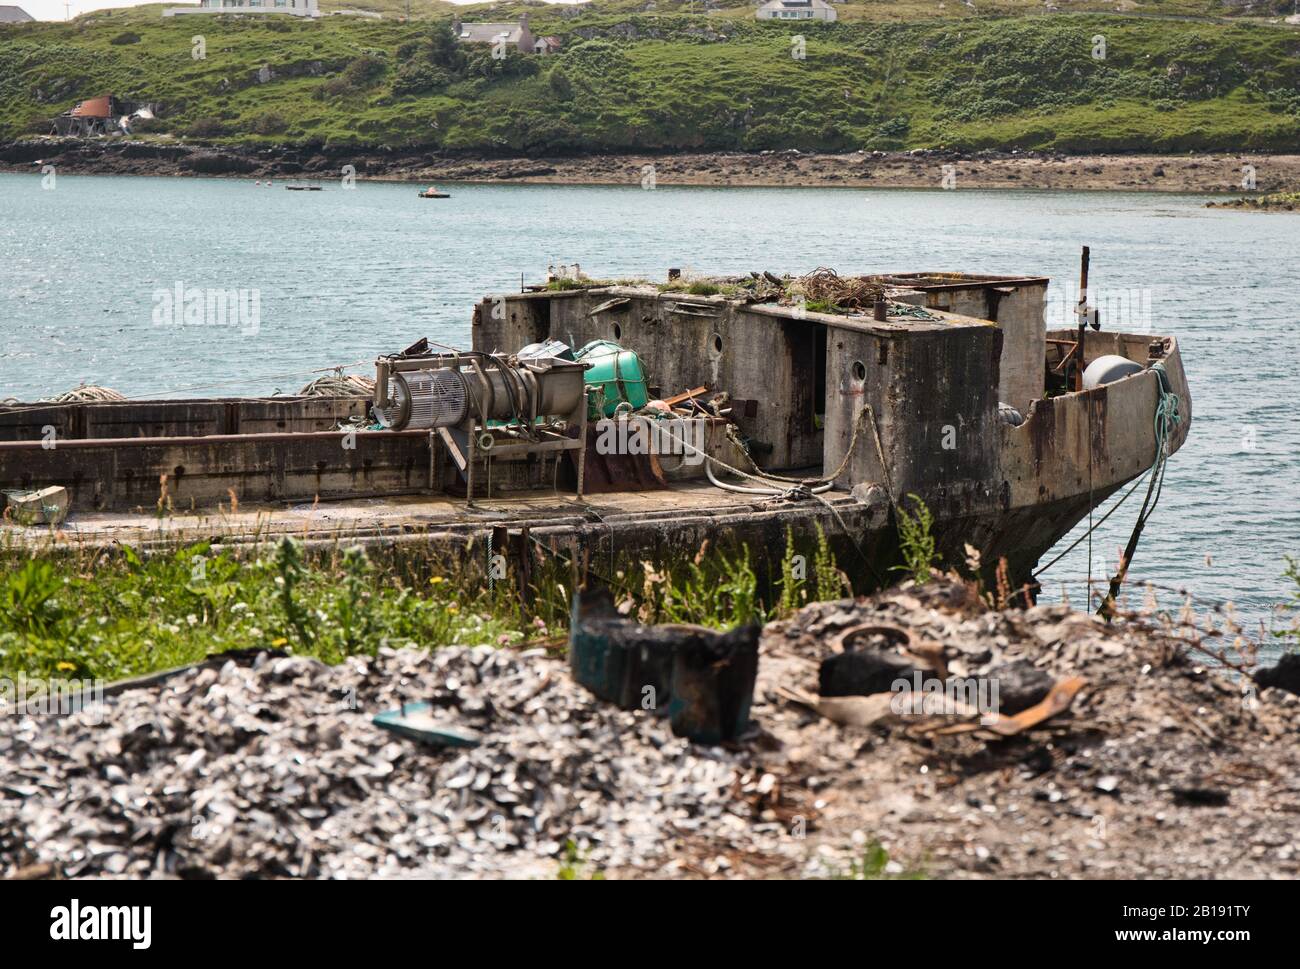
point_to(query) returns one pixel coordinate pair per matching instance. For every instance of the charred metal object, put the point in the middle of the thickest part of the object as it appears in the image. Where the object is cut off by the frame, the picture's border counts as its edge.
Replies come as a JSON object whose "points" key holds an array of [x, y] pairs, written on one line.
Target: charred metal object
{"points": [[702, 679]]}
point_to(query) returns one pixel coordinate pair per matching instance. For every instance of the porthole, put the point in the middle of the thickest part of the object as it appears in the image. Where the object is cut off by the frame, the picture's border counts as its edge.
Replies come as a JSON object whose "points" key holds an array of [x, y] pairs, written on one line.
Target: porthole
{"points": [[717, 343], [618, 332], [859, 371]]}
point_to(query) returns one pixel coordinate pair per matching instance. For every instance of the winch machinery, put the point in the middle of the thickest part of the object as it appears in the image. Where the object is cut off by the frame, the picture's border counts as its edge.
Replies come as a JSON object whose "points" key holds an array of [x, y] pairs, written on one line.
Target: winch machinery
{"points": [[479, 402]]}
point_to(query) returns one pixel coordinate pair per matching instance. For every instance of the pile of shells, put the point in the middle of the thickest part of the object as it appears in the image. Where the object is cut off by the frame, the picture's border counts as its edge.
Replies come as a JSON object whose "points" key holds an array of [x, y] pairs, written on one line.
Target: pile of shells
{"points": [[1161, 766], [276, 769]]}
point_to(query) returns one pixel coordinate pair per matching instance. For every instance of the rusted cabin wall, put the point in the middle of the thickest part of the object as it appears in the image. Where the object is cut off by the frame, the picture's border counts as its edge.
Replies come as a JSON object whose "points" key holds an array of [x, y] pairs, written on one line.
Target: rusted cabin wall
{"points": [[126, 474], [686, 344], [935, 408], [944, 396], [1020, 316], [848, 393], [176, 418]]}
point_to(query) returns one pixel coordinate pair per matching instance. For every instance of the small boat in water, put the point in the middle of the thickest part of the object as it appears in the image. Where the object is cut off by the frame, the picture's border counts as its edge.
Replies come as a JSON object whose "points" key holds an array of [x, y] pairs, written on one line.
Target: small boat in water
{"points": [[304, 187], [432, 193]]}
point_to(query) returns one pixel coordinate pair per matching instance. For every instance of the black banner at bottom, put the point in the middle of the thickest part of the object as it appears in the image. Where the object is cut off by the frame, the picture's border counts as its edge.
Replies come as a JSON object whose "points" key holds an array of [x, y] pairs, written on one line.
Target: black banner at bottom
{"points": [[386, 918]]}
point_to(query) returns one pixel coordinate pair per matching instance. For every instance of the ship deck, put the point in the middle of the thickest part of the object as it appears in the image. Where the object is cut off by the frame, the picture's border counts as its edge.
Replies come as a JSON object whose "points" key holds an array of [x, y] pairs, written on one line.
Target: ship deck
{"points": [[424, 518]]}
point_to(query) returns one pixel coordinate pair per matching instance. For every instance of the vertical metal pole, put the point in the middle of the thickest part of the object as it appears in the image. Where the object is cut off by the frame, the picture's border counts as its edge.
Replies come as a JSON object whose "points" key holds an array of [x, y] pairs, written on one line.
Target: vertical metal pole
{"points": [[582, 451], [469, 467], [1082, 312]]}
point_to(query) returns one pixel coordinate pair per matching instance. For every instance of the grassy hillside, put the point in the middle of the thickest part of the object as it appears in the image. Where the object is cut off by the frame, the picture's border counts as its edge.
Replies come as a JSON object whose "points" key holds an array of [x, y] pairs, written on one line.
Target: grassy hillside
{"points": [[875, 10], [675, 80]]}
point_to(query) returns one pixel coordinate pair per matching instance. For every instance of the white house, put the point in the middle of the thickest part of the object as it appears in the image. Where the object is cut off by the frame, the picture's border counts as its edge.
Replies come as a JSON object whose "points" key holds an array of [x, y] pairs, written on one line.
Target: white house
{"points": [[517, 35], [796, 10], [296, 8]]}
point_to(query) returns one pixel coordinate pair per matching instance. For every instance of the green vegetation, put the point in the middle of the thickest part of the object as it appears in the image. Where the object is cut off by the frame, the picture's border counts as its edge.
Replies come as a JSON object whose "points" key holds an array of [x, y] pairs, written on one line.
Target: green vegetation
{"points": [[679, 78], [1291, 634], [574, 866], [875, 10], [1275, 201], [713, 589], [916, 540], [798, 588], [112, 616], [116, 613], [874, 866]]}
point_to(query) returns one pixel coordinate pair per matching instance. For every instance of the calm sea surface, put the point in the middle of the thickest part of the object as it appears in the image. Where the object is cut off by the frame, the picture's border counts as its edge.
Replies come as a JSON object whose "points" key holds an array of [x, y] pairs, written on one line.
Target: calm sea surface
{"points": [[344, 274]]}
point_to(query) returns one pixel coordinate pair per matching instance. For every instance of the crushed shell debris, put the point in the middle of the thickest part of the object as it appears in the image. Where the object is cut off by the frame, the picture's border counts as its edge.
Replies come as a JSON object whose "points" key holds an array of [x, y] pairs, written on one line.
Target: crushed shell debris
{"points": [[1157, 767]]}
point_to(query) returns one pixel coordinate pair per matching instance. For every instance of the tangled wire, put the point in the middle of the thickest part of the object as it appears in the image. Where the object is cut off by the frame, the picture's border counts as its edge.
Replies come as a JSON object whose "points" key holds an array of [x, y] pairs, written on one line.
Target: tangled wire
{"points": [[824, 285]]}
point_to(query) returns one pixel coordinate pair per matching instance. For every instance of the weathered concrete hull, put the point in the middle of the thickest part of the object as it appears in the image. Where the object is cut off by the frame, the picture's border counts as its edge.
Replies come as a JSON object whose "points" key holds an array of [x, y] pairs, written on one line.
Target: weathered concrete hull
{"points": [[202, 472], [52, 423], [604, 534], [905, 406]]}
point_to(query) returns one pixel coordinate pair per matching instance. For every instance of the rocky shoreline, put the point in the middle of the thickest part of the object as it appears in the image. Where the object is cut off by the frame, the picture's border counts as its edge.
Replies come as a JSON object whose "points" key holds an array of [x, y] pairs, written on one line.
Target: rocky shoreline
{"points": [[1156, 766], [1205, 173], [1276, 202]]}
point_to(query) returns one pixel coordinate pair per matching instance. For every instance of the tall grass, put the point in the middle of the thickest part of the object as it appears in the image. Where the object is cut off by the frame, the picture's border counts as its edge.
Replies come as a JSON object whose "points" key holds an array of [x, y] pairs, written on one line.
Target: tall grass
{"points": [[916, 540], [113, 613]]}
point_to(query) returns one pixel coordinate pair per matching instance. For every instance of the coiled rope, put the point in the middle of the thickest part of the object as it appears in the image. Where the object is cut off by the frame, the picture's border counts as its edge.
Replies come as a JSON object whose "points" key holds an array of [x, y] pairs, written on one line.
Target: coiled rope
{"points": [[339, 385], [85, 394]]}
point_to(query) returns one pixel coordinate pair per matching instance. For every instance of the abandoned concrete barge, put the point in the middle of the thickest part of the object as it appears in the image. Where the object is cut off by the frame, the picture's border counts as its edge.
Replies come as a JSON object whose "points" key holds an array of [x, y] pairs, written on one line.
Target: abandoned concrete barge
{"points": [[727, 409]]}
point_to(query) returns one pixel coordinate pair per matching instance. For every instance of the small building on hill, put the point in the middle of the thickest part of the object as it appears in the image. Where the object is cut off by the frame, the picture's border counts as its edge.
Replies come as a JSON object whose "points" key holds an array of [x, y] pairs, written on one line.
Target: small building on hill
{"points": [[104, 115], [294, 8], [517, 35], [15, 15], [796, 10]]}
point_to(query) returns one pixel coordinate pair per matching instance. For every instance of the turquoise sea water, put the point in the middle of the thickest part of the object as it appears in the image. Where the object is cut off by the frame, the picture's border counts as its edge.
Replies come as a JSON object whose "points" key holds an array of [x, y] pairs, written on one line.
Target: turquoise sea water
{"points": [[343, 274]]}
